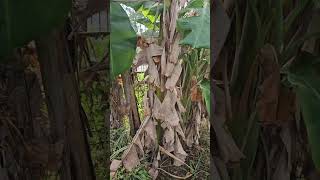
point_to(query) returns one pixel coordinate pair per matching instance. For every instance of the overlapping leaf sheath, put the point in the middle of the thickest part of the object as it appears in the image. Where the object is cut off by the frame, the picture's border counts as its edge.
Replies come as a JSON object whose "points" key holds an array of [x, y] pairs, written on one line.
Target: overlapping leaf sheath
{"points": [[162, 105], [170, 71]]}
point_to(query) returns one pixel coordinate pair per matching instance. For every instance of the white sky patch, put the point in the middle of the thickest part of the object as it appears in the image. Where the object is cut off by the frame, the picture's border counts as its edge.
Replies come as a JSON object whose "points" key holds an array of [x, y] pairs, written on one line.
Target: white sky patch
{"points": [[138, 27]]}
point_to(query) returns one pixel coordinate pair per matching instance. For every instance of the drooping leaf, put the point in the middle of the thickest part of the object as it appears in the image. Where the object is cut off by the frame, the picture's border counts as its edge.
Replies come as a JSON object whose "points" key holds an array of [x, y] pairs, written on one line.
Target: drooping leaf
{"points": [[195, 4], [221, 23], [191, 6], [247, 49], [150, 8], [278, 26], [23, 21], [135, 5], [267, 104], [148, 23], [205, 86], [294, 14], [123, 40], [227, 146], [196, 29], [304, 75]]}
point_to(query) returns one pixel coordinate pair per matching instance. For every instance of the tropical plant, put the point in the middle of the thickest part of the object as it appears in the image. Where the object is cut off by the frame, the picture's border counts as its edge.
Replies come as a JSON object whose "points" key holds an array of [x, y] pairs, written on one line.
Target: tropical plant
{"points": [[44, 117], [163, 131], [265, 73]]}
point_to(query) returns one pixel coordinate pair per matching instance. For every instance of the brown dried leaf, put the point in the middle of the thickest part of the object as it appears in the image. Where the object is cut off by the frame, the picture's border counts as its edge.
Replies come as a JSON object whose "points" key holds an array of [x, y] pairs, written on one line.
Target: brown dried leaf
{"points": [[150, 40], [148, 144], [286, 105], [156, 108], [173, 21], [146, 105], [179, 130], [131, 160], [112, 174], [196, 94], [151, 133], [282, 171], [153, 71], [268, 101], [151, 97], [286, 137], [154, 169], [141, 58], [227, 147], [115, 164], [155, 50], [141, 42], [173, 118], [190, 136], [156, 59], [180, 106], [168, 110], [169, 69], [179, 152], [163, 61], [175, 50], [165, 23], [173, 79], [193, 130], [162, 83], [140, 145], [153, 172], [168, 139]]}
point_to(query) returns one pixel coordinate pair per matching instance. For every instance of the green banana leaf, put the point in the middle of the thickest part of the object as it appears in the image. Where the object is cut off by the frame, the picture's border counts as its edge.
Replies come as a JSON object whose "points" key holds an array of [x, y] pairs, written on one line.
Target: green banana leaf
{"points": [[195, 4], [205, 87], [123, 40], [22, 21], [196, 29], [304, 75]]}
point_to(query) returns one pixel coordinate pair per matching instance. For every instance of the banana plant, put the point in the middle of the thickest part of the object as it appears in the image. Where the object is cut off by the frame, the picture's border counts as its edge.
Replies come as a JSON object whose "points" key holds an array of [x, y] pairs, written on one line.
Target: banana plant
{"points": [[123, 40], [23, 21]]}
